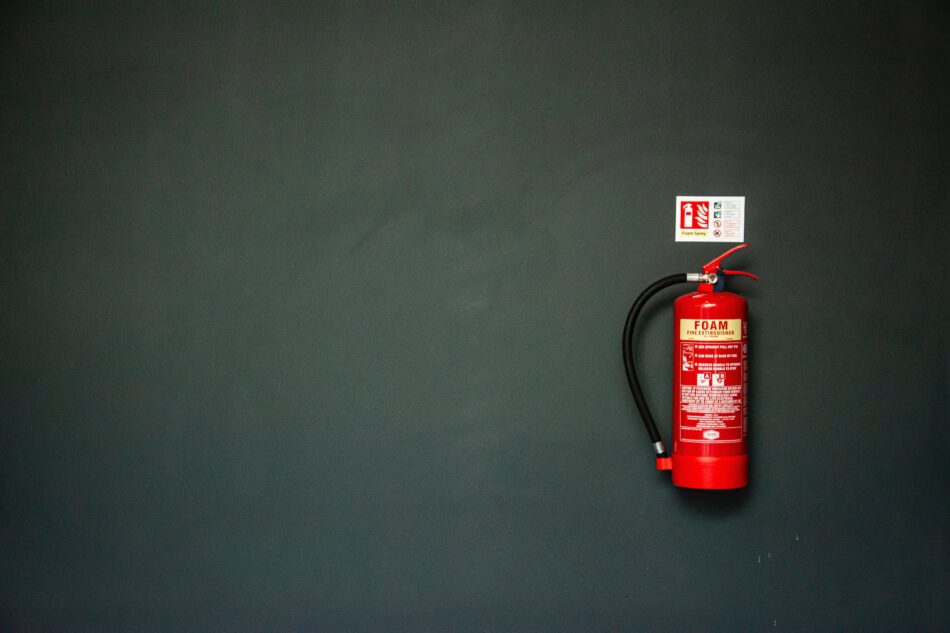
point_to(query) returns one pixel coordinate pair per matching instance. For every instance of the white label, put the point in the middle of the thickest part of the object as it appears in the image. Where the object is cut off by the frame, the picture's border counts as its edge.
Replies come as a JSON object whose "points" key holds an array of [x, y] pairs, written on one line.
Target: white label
{"points": [[710, 218]]}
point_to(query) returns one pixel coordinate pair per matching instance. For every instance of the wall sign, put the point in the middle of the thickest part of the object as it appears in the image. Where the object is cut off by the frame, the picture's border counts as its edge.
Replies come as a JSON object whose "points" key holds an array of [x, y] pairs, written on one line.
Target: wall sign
{"points": [[710, 218]]}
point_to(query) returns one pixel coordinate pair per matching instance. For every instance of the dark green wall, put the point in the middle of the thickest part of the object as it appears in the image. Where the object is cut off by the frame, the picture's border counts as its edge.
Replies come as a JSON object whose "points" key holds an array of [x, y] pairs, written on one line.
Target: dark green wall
{"points": [[310, 315]]}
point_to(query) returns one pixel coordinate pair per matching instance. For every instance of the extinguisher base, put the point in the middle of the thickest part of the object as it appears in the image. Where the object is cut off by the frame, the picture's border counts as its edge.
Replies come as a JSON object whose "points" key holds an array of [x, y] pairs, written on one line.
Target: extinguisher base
{"points": [[711, 473]]}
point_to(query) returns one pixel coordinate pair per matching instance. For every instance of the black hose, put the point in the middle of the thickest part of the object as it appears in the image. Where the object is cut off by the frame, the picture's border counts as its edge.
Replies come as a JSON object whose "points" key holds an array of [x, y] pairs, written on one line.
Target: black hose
{"points": [[629, 361]]}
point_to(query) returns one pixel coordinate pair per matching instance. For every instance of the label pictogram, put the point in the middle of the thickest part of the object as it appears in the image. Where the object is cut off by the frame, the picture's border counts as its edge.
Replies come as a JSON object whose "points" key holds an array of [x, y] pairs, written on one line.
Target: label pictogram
{"points": [[688, 352], [694, 214]]}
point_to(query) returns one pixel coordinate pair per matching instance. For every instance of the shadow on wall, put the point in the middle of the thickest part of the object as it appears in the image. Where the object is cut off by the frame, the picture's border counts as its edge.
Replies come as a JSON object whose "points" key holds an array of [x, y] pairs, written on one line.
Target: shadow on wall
{"points": [[719, 503], [714, 503]]}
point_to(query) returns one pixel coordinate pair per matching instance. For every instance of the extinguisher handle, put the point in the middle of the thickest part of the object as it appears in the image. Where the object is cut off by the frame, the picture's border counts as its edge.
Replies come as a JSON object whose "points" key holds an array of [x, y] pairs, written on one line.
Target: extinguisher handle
{"points": [[739, 272], [715, 265]]}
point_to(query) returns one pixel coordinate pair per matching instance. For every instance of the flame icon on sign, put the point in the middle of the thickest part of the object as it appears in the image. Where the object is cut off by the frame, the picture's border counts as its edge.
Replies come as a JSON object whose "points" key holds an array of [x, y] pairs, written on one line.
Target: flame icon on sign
{"points": [[702, 216]]}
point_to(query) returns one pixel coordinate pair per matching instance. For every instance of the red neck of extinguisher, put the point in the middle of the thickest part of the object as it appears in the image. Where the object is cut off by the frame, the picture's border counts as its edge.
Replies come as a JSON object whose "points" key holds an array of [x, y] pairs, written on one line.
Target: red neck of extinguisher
{"points": [[713, 278]]}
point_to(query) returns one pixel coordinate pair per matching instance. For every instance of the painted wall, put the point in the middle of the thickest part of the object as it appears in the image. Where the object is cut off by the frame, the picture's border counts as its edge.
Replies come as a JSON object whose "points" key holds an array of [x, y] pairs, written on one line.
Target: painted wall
{"points": [[310, 315]]}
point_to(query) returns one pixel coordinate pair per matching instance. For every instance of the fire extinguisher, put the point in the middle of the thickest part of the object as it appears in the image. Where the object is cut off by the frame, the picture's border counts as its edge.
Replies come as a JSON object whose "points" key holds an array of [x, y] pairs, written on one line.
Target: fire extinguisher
{"points": [[710, 374]]}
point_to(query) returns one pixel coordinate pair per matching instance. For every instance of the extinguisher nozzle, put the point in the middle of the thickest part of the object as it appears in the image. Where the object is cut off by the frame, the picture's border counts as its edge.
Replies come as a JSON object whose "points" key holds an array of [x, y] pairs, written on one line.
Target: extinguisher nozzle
{"points": [[659, 448]]}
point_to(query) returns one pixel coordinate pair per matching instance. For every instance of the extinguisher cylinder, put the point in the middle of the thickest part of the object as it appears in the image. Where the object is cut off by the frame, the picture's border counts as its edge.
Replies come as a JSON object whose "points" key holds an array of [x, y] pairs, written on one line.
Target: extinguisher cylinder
{"points": [[710, 391]]}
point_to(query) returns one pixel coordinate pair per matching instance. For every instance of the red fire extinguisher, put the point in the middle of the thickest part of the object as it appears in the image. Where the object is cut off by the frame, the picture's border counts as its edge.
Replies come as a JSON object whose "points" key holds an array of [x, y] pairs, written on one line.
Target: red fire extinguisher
{"points": [[710, 374]]}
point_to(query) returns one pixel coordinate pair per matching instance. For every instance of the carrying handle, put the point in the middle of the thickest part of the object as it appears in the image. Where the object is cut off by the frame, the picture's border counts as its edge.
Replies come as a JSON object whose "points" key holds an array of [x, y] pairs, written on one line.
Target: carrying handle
{"points": [[715, 265], [713, 273], [739, 272]]}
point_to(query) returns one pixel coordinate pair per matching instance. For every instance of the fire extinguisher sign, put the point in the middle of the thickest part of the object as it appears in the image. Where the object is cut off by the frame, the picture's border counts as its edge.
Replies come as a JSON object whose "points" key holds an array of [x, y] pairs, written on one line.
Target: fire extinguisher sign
{"points": [[710, 218]]}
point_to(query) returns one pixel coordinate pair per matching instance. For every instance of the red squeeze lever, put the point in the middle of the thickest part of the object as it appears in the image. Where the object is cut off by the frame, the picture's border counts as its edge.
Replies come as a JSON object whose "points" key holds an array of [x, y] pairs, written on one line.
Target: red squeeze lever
{"points": [[714, 267], [715, 264]]}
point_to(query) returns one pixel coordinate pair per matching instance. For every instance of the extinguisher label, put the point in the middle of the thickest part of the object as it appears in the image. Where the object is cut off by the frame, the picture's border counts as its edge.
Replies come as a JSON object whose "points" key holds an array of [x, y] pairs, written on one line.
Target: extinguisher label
{"points": [[711, 390], [710, 329]]}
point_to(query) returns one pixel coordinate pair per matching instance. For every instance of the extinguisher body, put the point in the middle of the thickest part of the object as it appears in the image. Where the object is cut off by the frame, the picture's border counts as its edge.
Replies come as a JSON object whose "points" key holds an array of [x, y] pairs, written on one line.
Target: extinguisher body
{"points": [[710, 372]]}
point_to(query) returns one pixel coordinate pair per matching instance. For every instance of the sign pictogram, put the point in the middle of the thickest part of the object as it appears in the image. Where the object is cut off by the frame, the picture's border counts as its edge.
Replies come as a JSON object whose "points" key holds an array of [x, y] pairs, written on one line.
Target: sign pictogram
{"points": [[694, 214]]}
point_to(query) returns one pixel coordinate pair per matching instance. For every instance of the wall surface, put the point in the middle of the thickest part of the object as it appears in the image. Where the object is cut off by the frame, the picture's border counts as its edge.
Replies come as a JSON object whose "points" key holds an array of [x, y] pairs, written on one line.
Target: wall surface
{"points": [[310, 315]]}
